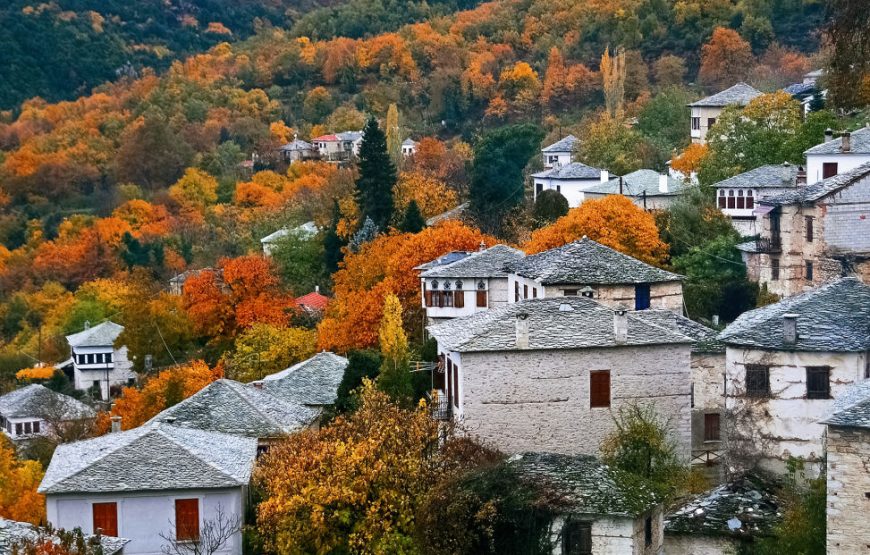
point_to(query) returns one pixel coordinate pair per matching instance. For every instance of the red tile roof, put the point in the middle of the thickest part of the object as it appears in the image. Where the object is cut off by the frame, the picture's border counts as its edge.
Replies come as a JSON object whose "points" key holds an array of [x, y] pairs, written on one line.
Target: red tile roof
{"points": [[313, 300], [325, 139]]}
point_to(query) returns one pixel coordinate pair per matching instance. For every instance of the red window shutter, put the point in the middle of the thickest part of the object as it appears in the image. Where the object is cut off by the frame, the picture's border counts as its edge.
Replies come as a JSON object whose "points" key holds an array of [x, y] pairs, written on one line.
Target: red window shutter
{"points": [[187, 519], [599, 388], [428, 296], [459, 299], [481, 298], [106, 518]]}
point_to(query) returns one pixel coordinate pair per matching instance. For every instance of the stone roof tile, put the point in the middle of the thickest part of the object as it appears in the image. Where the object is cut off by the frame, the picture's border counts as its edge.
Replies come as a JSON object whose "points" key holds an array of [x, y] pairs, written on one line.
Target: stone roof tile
{"points": [[481, 264], [740, 94], [859, 144], [574, 170], [311, 382], [819, 189], [38, 401], [639, 182], [101, 335], [770, 176], [565, 144]]}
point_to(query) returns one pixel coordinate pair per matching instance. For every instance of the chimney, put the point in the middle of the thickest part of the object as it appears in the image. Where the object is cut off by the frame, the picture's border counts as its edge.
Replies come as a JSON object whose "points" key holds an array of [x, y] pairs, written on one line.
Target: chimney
{"points": [[605, 176], [789, 329], [620, 325], [786, 172], [87, 324], [829, 134], [663, 183], [317, 289], [801, 178], [481, 247], [257, 384], [846, 142], [522, 324], [116, 424]]}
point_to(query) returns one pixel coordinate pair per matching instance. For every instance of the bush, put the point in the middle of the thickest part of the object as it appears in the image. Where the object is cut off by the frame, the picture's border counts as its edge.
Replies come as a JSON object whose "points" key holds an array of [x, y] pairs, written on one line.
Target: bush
{"points": [[549, 207]]}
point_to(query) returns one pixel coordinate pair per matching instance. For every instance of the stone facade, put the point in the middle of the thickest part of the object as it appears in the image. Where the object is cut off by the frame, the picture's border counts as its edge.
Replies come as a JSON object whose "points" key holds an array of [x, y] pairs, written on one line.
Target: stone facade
{"points": [[622, 535], [708, 397], [848, 476], [679, 544], [768, 431], [666, 295], [540, 400]]}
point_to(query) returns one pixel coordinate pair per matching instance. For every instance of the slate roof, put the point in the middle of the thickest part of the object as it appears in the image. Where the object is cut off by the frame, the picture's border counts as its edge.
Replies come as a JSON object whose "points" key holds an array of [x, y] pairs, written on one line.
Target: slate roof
{"points": [[297, 145], [819, 189], [704, 337], [747, 507], [832, 318], [409, 142], [39, 401], [452, 214], [553, 323], [796, 89], [350, 135], [151, 458], [859, 144], [303, 230], [234, 408], [852, 408], [101, 335], [588, 262], [574, 170], [313, 301], [565, 144], [770, 176], [585, 484], [14, 533], [311, 382], [638, 182], [740, 94], [481, 264], [445, 259]]}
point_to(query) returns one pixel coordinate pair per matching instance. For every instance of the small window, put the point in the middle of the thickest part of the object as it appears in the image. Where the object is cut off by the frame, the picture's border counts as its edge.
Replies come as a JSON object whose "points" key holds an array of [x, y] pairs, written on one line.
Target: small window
{"points": [[539, 188], [36, 427], [711, 427], [28, 428], [569, 292], [757, 380], [696, 124], [456, 385], [809, 270], [19, 429], [599, 389], [711, 122], [517, 291], [105, 518], [558, 188], [647, 531], [818, 382], [829, 169], [187, 519], [750, 199], [577, 538], [525, 291], [731, 203], [808, 226], [774, 269], [534, 292], [741, 201], [722, 199], [641, 296]]}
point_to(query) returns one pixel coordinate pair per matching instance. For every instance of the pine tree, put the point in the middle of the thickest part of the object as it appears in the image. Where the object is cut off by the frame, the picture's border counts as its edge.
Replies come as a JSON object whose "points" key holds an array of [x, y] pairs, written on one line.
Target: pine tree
{"points": [[377, 177], [332, 243], [413, 221]]}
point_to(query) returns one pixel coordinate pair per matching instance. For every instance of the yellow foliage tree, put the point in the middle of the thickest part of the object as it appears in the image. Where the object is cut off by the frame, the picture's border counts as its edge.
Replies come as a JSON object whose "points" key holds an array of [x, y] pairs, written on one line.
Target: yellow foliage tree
{"points": [[613, 72], [18, 483], [432, 195], [195, 190], [264, 349]]}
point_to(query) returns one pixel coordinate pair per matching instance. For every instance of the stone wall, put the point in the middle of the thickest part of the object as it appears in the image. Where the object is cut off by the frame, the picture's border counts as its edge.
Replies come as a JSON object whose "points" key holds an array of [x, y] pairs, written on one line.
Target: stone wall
{"points": [[539, 400], [708, 386], [618, 535], [685, 544], [848, 504], [666, 295]]}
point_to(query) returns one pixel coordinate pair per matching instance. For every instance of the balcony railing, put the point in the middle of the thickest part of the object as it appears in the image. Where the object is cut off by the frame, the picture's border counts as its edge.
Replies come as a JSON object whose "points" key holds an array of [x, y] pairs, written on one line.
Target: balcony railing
{"points": [[768, 244], [440, 407]]}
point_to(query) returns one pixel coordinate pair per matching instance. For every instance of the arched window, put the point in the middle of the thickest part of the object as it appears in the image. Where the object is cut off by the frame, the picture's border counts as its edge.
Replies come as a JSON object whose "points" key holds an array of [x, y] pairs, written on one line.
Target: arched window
{"points": [[446, 285], [458, 284], [434, 284], [481, 285], [731, 198], [750, 199], [741, 202], [721, 198]]}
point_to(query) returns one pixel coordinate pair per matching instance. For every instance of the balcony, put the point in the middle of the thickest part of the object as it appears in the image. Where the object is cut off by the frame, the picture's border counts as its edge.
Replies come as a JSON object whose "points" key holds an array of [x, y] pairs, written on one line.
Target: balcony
{"points": [[440, 407], [769, 245]]}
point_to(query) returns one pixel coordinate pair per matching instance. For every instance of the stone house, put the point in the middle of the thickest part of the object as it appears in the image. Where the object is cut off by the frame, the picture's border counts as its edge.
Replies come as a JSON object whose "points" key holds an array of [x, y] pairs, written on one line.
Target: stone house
{"points": [[737, 196], [298, 151], [571, 180], [648, 189], [847, 474], [338, 147], [560, 153], [312, 383], [838, 155], [409, 147], [706, 111], [14, 535], [550, 374], [95, 363], [785, 365], [462, 283], [589, 269], [604, 512], [812, 234], [154, 485], [35, 410]]}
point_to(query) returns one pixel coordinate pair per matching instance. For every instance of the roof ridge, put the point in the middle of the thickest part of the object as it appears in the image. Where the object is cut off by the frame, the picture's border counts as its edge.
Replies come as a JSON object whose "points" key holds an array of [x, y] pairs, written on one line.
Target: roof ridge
{"points": [[247, 401], [161, 430], [142, 431]]}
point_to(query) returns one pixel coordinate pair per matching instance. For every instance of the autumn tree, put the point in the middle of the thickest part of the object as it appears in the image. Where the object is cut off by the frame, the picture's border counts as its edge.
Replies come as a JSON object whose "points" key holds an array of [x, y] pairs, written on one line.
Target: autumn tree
{"points": [[377, 176], [612, 69], [195, 190], [394, 134], [18, 497], [264, 349], [848, 72], [613, 221], [610, 144], [395, 376], [431, 195], [317, 105], [725, 60], [669, 70], [151, 154]]}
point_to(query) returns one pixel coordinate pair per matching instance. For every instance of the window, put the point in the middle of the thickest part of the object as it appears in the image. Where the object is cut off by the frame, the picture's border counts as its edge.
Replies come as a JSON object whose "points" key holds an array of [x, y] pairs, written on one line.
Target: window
{"points": [[456, 385], [552, 159], [577, 538], [534, 292], [427, 295], [459, 299], [696, 124], [539, 188], [722, 199], [187, 519], [750, 199], [818, 382], [558, 188], [808, 227], [641, 296], [741, 201], [481, 298], [757, 380], [809, 270], [36, 427], [525, 291], [588, 292], [731, 203], [829, 169], [711, 122], [569, 292], [647, 531], [106, 518], [28, 428], [516, 291], [599, 389], [19, 429], [449, 377], [109, 358], [711, 427], [774, 269]]}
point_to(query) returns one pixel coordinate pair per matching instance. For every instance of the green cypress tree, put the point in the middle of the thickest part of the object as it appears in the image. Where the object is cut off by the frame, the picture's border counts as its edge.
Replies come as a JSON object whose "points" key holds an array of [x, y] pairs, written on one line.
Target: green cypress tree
{"points": [[413, 221], [332, 243], [377, 177]]}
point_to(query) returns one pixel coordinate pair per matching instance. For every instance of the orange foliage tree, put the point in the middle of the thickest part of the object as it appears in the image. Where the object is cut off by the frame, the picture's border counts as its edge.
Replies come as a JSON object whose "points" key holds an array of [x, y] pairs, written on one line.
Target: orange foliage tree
{"points": [[18, 483], [726, 59], [614, 221], [384, 266], [690, 160], [432, 195]]}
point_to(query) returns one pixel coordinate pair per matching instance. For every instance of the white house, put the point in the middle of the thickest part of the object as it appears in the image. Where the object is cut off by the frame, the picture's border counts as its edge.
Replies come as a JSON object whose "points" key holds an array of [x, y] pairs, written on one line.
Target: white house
{"points": [[462, 283], [838, 155], [648, 189], [154, 485], [95, 363], [559, 153], [786, 363], [737, 196], [571, 180], [706, 111], [604, 511], [589, 269], [33, 410], [550, 374], [305, 231], [409, 147]]}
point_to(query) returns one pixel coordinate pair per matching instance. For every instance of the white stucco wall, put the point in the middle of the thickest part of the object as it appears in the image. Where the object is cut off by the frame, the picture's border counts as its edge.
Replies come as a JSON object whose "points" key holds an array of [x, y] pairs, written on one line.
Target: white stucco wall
{"points": [[142, 517], [845, 162], [120, 369], [496, 295], [562, 158], [571, 189], [684, 544]]}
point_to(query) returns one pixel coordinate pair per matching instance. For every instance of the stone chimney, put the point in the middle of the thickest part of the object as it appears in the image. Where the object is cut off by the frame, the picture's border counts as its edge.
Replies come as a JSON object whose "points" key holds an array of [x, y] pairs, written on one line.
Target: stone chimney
{"points": [[317, 289], [801, 178], [481, 247], [257, 384], [522, 324], [605, 176], [116, 424], [663, 183], [789, 329], [829, 134], [786, 172], [846, 142], [620, 325]]}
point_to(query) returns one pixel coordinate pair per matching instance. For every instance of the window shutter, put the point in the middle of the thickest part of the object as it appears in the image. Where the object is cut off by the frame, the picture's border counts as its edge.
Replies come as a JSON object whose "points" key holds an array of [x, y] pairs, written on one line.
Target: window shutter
{"points": [[599, 388], [106, 518], [481, 298], [187, 519], [711, 427], [459, 299], [428, 296], [456, 386]]}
